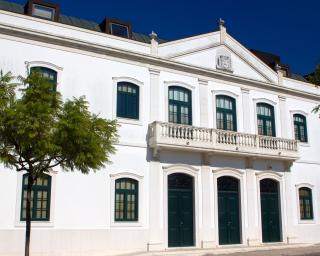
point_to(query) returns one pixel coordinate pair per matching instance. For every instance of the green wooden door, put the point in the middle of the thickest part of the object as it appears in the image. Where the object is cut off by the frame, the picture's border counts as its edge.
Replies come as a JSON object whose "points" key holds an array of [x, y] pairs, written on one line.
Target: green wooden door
{"points": [[180, 216], [270, 212], [228, 211]]}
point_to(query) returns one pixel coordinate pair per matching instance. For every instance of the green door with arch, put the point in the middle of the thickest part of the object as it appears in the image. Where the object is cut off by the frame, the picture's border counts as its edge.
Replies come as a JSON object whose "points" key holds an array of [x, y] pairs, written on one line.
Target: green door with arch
{"points": [[270, 211], [229, 210], [180, 210]]}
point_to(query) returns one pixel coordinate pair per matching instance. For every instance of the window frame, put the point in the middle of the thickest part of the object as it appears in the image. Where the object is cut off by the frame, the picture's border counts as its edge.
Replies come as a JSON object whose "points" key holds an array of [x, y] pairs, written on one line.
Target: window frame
{"points": [[265, 118], [41, 69], [225, 111], [314, 199], [300, 124], [124, 98], [304, 204], [30, 8], [127, 192], [36, 188], [106, 26], [180, 104]]}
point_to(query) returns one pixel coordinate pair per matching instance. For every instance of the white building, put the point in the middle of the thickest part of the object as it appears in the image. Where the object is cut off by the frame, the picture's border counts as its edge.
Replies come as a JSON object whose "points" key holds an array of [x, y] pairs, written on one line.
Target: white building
{"points": [[193, 166]]}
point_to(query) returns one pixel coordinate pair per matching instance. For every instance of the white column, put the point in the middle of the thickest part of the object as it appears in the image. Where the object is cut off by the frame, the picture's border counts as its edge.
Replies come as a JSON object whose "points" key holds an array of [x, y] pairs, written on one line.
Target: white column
{"points": [[154, 95], [203, 92], [283, 116], [252, 229], [207, 231], [156, 233], [246, 110]]}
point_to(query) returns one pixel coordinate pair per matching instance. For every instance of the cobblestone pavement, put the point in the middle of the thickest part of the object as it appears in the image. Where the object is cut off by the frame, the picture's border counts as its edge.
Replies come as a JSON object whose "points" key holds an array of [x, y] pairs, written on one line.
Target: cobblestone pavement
{"points": [[303, 251], [293, 250]]}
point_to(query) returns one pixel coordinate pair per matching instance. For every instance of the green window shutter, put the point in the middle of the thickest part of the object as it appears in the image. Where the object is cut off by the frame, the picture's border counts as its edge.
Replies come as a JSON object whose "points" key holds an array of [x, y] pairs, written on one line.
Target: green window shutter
{"points": [[47, 73], [127, 100], [300, 128], [305, 201], [226, 113], [180, 105], [126, 200], [40, 195], [265, 119]]}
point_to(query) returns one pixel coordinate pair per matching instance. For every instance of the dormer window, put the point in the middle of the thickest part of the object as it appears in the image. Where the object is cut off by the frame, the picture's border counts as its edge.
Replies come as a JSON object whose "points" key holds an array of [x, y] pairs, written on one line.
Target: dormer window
{"points": [[116, 28], [119, 30], [43, 10]]}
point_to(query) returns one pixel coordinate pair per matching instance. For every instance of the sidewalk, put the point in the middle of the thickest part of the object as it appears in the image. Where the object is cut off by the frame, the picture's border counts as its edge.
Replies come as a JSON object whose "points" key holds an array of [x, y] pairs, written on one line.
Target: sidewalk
{"points": [[271, 250]]}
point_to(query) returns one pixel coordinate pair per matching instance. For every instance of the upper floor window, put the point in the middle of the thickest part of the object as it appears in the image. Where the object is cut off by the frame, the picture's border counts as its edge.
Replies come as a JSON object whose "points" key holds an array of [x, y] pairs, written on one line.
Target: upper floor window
{"points": [[127, 100], [265, 119], [300, 127], [43, 10], [47, 73], [226, 113], [40, 198], [126, 200], [305, 201], [180, 107]]}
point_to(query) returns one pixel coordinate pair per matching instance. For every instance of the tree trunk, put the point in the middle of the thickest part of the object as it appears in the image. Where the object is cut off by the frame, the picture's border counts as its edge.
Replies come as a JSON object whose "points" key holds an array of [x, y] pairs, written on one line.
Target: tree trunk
{"points": [[28, 216]]}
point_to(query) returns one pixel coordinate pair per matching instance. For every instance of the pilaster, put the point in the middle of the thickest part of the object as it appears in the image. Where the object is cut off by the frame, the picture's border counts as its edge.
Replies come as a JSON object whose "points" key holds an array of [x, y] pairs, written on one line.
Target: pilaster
{"points": [[246, 110], [154, 95], [204, 112], [283, 116]]}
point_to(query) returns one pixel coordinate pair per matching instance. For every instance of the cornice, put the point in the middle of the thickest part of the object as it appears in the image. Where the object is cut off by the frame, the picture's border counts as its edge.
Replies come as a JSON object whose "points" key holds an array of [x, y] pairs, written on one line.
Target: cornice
{"points": [[148, 59]]}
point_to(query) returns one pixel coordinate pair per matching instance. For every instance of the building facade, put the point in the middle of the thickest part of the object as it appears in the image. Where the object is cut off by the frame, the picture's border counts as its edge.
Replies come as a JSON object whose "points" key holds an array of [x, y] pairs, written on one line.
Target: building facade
{"points": [[216, 147]]}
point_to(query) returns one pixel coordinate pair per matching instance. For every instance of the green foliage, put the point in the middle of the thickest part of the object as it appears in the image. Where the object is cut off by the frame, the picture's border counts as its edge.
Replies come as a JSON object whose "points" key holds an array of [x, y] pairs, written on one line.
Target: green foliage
{"points": [[38, 131], [315, 76]]}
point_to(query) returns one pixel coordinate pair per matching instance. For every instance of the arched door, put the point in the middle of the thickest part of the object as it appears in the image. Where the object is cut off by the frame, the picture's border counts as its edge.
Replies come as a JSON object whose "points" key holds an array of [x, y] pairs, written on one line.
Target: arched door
{"points": [[270, 211], [180, 210], [229, 210]]}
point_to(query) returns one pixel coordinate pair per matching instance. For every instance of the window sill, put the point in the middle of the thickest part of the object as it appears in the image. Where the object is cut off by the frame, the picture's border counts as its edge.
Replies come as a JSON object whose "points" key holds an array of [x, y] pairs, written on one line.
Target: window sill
{"points": [[122, 120], [126, 224], [304, 144], [311, 221], [35, 224]]}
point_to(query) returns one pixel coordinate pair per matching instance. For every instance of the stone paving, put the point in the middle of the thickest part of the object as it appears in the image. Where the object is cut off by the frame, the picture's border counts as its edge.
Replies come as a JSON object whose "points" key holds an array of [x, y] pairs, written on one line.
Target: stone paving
{"points": [[277, 250]]}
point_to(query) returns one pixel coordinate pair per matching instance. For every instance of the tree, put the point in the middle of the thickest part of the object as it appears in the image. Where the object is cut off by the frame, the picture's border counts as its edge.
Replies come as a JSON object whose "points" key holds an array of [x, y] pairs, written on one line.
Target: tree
{"points": [[315, 76], [39, 132]]}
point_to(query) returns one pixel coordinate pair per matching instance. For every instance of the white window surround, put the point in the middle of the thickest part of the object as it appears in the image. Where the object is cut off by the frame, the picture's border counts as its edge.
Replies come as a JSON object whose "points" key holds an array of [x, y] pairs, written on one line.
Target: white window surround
{"points": [[305, 114], [239, 175], [194, 172], [31, 64], [50, 223], [140, 84], [276, 114], [130, 175], [167, 84], [214, 110], [314, 199], [279, 177]]}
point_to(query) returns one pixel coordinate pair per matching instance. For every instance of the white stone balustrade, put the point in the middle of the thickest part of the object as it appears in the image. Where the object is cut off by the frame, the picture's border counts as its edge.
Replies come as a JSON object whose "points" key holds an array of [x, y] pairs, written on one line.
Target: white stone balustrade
{"points": [[187, 137]]}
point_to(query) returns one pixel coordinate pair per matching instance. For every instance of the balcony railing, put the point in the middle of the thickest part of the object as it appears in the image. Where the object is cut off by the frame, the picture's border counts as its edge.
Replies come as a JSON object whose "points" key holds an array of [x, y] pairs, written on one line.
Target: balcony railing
{"points": [[169, 135]]}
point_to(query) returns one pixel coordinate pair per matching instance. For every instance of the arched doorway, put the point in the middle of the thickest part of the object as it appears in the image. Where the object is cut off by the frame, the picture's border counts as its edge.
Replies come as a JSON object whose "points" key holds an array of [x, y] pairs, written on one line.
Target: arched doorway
{"points": [[180, 210], [270, 211], [229, 210]]}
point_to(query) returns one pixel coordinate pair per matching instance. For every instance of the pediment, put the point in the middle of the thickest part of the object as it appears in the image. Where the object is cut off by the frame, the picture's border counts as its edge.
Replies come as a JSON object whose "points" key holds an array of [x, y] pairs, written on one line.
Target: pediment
{"points": [[227, 56]]}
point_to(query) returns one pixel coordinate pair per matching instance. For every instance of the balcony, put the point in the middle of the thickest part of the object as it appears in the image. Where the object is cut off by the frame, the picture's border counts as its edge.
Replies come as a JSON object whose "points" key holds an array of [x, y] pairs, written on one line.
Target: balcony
{"points": [[185, 137]]}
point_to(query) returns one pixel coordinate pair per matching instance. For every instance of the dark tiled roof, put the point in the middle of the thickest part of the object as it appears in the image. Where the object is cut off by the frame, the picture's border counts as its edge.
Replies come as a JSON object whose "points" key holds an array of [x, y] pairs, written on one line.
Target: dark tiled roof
{"points": [[298, 77], [73, 21]]}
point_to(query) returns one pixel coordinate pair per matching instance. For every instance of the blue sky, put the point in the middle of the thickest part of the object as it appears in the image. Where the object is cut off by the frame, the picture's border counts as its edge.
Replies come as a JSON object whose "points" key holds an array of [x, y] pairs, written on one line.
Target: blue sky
{"points": [[290, 29]]}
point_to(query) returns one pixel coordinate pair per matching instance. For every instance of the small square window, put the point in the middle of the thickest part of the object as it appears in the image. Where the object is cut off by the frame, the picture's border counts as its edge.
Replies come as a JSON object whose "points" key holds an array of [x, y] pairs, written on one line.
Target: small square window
{"points": [[119, 30], [43, 12]]}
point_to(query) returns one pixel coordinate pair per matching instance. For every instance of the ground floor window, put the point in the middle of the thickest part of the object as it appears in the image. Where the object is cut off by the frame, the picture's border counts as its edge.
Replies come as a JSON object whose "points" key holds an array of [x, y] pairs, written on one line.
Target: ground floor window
{"points": [[305, 201], [40, 198], [126, 200]]}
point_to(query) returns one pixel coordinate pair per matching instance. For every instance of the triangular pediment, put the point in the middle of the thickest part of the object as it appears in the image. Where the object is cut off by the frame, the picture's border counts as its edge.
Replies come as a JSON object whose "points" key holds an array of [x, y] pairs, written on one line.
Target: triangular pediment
{"points": [[210, 52]]}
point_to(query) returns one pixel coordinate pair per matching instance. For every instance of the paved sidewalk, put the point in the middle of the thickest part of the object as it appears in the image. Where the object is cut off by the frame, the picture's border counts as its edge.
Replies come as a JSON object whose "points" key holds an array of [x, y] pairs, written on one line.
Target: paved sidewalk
{"points": [[272, 250]]}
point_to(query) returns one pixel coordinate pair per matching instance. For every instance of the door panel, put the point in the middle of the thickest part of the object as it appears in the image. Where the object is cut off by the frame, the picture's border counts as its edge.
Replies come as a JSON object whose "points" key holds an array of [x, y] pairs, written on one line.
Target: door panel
{"points": [[270, 217], [229, 224], [180, 211]]}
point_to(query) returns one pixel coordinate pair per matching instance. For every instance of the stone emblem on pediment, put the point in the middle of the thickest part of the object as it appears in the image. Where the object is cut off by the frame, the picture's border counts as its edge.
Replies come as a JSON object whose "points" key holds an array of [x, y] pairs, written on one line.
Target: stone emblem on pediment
{"points": [[224, 62]]}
